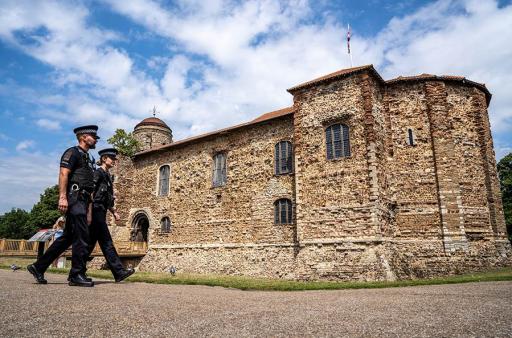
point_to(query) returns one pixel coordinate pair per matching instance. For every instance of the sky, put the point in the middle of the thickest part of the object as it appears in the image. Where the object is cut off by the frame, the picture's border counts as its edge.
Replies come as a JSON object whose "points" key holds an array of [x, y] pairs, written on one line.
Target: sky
{"points": [[206, 65]]}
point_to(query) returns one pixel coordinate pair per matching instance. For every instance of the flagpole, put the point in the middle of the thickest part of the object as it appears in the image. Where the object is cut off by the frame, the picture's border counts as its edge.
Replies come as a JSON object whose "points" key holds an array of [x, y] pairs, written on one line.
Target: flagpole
{"points": [[348, 45]]}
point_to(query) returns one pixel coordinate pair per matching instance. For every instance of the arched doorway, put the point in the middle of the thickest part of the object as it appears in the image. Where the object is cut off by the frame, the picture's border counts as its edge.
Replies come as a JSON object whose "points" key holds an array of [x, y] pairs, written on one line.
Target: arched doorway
{"points": [[140, 228]]}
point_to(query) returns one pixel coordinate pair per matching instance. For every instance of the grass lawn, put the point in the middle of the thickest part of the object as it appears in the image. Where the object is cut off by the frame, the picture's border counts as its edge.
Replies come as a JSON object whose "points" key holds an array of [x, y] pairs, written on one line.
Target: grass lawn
{"points": [[252, 283]]}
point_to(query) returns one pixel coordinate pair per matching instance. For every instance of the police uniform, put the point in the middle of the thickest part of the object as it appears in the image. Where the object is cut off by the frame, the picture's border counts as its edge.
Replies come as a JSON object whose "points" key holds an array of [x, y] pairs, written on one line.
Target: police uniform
{"points": [[76, 233], [103, 201]]}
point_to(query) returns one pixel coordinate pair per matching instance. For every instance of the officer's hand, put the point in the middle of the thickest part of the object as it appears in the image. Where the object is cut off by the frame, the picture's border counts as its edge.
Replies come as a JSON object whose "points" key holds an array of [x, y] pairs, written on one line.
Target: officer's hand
{"points": [[63, 204], [89, 214], [116, 217]]}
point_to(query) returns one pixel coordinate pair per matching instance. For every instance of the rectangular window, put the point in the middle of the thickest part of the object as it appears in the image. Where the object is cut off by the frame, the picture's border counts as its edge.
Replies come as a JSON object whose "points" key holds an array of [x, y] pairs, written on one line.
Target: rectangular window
{"points": [[337, 141], [283, 157], [410, 136], [283, 211], [163, 187], [219, 170]]}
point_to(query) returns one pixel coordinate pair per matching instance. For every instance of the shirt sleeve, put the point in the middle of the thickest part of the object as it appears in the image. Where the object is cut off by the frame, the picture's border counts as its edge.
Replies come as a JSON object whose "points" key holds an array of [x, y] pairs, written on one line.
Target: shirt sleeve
{"points": [[69, 159], [97, 179]]}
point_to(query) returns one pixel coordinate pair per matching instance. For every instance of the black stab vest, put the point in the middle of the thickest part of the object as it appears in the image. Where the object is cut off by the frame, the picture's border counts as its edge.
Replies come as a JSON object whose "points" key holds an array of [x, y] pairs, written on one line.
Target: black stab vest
{"points": [[83, 175], [104, 191]]}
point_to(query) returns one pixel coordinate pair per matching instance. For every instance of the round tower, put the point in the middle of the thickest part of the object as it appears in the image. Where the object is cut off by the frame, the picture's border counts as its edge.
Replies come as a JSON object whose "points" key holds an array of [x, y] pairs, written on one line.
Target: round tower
{"points": [[151, 133]]}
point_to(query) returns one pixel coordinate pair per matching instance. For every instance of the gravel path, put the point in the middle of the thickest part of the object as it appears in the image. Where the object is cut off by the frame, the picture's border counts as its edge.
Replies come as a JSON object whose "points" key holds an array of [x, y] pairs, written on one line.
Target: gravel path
{"points": [[139, 309]]}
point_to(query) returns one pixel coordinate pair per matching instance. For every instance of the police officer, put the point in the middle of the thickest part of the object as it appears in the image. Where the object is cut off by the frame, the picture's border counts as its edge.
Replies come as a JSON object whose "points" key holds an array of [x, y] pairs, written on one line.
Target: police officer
{"points": [[103, 201], [76, 184]]}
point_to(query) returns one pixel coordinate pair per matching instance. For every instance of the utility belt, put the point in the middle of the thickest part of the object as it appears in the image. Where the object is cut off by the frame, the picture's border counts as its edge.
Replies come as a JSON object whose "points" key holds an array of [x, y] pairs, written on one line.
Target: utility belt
{"points": [[79, 193]]}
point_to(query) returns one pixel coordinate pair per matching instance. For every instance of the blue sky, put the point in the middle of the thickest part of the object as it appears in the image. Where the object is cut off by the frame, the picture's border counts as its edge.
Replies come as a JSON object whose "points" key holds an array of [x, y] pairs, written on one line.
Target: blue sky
{"points": [[206, 65]]}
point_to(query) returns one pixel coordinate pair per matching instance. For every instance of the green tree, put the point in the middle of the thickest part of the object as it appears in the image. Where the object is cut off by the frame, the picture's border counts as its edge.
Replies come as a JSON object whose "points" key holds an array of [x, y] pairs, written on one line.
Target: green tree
{"points": [[124, 142], [505, 173], [45, 212], [14, 225]]}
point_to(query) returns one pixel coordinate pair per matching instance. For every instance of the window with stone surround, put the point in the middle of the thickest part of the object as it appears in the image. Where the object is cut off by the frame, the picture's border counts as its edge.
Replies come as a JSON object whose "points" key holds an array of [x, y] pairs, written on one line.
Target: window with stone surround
{"points": [[163, 180], [283, 211], [337, 141], [219, 170], [283, 157], [410, 137], [165, 225]]}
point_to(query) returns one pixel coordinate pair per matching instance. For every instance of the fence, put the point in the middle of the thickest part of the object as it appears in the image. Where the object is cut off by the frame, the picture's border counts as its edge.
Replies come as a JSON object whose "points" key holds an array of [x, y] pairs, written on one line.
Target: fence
{"points": [[22, 248]]}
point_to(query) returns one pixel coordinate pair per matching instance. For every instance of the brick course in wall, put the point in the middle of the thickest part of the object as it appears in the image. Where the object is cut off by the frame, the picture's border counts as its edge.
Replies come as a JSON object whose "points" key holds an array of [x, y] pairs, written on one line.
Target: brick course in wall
{"points": [[389, 210]]}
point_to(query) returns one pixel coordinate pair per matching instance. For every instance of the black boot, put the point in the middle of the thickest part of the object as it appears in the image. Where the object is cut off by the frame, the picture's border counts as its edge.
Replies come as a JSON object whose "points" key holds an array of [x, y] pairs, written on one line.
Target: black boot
{"points": [[86, 278], [125, 274], [80, 280], [37, 275]]}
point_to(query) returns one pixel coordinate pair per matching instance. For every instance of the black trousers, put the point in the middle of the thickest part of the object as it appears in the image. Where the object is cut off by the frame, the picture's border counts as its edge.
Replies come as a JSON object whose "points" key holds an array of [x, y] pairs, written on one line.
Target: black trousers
{"points": [[99, 233], [76, 233]]}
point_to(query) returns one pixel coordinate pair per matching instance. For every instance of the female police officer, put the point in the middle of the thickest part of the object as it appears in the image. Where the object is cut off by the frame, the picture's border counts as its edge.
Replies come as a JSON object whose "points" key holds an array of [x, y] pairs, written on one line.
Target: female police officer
{"points": [[103, 201]]}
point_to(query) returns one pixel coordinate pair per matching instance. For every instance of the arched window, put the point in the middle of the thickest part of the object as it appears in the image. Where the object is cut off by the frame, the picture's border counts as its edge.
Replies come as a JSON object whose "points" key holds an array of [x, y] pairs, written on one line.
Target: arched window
{"points": [[163, 180], [283, 157], [283, 211], [165, 225], [337, 141], [219, 170], [140, 227]]}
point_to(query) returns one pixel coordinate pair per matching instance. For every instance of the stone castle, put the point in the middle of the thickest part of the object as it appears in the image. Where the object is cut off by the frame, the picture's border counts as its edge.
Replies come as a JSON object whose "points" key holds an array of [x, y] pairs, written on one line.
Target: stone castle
{"points": [[361, 179]]}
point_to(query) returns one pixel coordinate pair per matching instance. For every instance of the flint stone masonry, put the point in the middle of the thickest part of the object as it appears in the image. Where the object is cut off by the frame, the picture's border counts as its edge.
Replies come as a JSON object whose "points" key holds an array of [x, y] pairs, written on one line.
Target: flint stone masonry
{"points": [[389, 210]]}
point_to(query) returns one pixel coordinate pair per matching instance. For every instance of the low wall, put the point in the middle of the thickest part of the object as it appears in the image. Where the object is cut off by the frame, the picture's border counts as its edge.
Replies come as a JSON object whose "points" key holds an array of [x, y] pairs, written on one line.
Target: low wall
{"points": [[348, 260]]}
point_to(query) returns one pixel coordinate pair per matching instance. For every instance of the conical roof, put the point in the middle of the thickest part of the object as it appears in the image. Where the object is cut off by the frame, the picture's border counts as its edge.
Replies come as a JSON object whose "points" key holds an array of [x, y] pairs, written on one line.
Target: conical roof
{"points": [[152, 121]]}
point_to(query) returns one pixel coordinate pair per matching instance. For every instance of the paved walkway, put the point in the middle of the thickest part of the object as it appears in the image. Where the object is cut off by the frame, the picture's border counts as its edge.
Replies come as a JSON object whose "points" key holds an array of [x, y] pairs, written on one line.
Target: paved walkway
{"points": [[138, 309]]}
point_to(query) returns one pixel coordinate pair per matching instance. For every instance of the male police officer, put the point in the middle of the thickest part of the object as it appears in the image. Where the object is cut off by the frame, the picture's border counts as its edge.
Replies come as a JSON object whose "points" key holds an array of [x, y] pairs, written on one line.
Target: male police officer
{"points": [[103, 201], [75, 188]]}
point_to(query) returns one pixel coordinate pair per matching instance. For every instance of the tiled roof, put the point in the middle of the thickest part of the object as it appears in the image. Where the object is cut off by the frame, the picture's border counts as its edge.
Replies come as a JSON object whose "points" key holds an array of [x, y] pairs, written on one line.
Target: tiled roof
{"points": [[273, 114], [336, 75], [263, 118]]}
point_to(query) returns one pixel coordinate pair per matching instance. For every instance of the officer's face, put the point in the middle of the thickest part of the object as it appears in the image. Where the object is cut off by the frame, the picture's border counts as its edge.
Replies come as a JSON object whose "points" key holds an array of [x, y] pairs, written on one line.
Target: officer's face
{"points": [[110, 161], [91, 141]]}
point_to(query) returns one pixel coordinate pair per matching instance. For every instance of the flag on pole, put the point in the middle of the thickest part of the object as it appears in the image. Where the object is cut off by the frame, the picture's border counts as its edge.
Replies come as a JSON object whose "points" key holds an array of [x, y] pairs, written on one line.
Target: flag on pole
{"points": [[348, 45], [348, 38]]}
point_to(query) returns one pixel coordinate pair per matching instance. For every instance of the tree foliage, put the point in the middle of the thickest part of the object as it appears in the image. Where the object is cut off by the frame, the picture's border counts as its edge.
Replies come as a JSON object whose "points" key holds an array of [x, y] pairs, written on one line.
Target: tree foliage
{"points": [[45, 212], [505, 173], [124, 142], [20, 224], [14, 224]]}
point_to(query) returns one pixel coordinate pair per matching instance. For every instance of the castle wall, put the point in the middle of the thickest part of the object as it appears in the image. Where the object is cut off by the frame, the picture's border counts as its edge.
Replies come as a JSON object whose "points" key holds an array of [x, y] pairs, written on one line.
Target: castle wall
{"points": [[333, 196], [349, 261], [242, 211], [390, 210], [411, 169]]}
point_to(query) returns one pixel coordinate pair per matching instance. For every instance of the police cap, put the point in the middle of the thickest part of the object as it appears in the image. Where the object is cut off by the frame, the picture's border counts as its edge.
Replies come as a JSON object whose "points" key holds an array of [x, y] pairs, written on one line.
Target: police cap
{"points": [[91, 130], [111, 152]]}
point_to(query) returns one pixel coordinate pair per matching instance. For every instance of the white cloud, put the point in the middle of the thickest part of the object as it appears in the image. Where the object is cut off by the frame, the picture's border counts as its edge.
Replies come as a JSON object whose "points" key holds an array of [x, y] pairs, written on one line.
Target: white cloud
{"points": [[24, 145], [231, 61], [469, 38], [246, 56], [58, 34], [34, 173], [4, 137], [48, 124], [502, 150]]}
